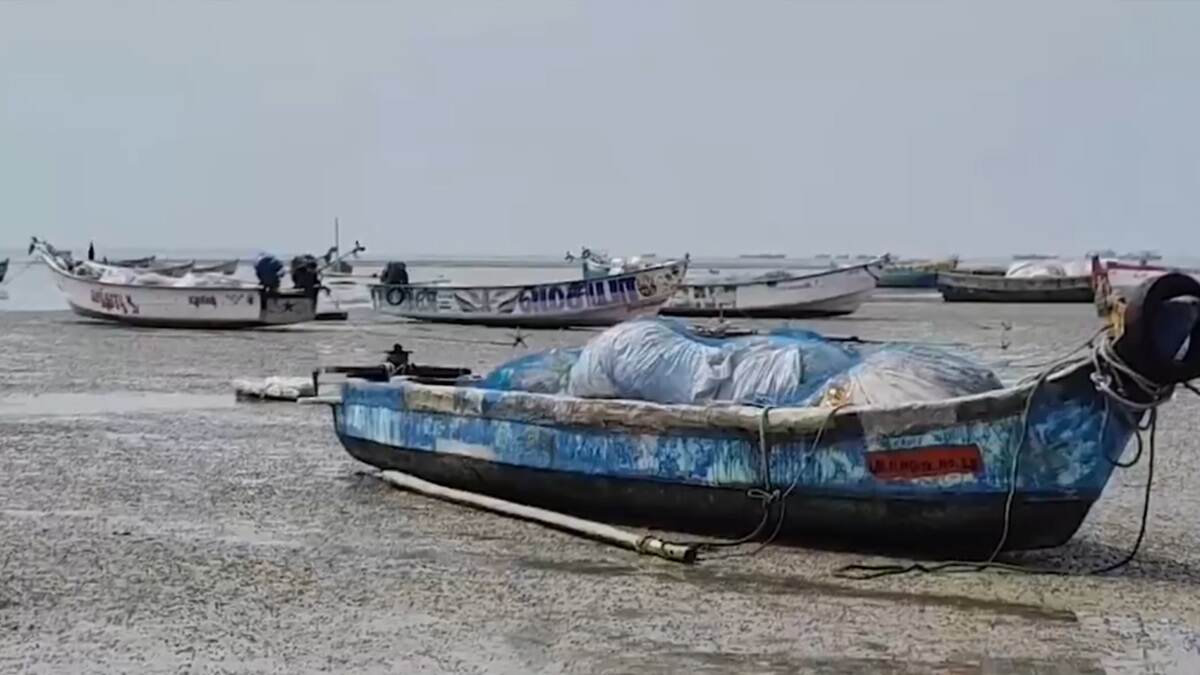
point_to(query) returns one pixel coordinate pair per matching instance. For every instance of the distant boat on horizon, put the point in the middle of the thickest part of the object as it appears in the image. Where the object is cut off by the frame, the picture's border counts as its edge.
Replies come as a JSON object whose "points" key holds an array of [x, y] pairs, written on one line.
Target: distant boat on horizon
{"points": [[764, 256]]}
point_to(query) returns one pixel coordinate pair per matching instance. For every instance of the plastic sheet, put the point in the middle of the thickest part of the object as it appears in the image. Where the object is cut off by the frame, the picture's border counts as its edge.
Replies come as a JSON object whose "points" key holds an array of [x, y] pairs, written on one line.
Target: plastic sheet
{"points": [[1026, 269], [898, 374], [663, 361], [274, 388], [650, 360], [543, 373]]}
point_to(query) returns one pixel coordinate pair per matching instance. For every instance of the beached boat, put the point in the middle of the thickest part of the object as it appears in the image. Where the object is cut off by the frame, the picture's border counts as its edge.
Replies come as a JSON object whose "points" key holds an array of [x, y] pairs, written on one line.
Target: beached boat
{"points": [[965, 286], [914, 274], [1028, 460], [3, 268], [833, 292], [232, 304], [229, 267], [598, 301]]}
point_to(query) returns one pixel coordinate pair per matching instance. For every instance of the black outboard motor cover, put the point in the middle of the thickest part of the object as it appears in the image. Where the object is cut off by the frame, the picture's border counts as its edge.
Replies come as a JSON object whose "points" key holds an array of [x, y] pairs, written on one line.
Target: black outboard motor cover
{"points": [[269, 271], [394, 274], [304, 273]]}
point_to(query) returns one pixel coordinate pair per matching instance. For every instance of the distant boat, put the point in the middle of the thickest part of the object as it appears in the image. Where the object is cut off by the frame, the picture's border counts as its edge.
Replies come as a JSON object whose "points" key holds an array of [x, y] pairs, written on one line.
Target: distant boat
{"points": [[597, 301], [764, 256], [834, 292], [1033, 256], [993, 287], [148, 265], [231, 305], [228, 267], [915, 274]]}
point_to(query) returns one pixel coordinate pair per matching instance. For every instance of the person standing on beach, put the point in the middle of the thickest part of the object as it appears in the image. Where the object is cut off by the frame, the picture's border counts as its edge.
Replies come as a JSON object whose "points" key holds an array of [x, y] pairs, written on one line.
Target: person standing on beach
{"points": [[91, 251]]}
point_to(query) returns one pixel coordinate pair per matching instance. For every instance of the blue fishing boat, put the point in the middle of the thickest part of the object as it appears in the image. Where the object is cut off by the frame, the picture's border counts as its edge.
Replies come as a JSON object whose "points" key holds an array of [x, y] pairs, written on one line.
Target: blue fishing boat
{"points": [[1021, 464]]}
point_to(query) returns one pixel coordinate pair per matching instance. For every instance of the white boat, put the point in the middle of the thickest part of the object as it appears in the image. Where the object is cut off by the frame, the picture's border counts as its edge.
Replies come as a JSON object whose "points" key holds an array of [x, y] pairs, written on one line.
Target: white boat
{"points": [[832, 292], [597, 301], [170, 304]]}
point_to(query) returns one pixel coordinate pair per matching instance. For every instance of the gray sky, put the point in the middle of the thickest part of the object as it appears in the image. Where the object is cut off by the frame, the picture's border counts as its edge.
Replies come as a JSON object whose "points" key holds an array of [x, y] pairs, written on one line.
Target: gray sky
{"points": [[640, 125]]}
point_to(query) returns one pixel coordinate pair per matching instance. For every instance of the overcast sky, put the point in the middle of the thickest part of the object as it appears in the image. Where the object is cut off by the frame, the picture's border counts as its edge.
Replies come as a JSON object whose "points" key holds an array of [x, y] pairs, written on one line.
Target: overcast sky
{"points": [[643, 125]]}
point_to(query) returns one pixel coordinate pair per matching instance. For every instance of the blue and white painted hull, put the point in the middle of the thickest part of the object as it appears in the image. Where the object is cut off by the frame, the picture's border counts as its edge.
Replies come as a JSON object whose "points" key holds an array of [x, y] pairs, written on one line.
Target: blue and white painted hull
{"points": [[932, 476]]}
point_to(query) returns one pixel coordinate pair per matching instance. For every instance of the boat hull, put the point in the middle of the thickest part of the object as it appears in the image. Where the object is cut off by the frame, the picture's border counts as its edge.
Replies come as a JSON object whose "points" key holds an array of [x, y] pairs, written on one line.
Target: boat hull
{"points": [[592, 302], [967, 524], [833, 292], [925, 477], [966, 287]]}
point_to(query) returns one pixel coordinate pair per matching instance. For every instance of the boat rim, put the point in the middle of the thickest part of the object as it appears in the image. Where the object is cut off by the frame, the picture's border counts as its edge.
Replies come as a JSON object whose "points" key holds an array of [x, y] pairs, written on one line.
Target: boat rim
{"points": [[450, 287], [905, 417]]}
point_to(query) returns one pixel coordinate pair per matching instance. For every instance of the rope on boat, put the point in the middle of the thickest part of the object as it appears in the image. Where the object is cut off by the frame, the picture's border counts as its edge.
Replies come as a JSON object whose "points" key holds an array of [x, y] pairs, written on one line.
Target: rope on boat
{"points": [[765, 494], [1105, 360]]}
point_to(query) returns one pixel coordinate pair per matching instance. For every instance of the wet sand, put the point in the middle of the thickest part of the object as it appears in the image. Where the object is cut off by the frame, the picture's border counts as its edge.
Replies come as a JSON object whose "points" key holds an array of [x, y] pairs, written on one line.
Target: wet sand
{"points": [[150, 524]]}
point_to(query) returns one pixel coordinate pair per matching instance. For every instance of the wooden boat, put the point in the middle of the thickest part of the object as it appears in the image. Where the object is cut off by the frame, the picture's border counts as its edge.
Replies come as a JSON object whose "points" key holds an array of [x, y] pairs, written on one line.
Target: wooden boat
{"points": [[3, 268], [833, 292], [228, 268], [584, 302], [224, 306], [915, 274], [935, 475], [991, 287]]}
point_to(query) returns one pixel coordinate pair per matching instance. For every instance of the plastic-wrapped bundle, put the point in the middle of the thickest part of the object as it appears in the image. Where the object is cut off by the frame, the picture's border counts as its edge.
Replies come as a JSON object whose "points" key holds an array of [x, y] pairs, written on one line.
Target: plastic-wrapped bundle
{"points": [[544, 373], [783, 368], [650, 360], [900, 374], [662, 361]]}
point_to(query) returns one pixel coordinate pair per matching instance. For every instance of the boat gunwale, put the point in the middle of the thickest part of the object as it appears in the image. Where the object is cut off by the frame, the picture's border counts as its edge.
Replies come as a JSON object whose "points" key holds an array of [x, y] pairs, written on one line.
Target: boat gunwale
{"points": [[449, 287], [557, 409], [773, 282]]}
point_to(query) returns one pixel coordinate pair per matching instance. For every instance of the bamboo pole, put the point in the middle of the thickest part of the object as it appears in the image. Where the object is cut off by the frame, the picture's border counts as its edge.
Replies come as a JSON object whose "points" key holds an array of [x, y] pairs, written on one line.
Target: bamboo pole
{"points": [[642, 543]]}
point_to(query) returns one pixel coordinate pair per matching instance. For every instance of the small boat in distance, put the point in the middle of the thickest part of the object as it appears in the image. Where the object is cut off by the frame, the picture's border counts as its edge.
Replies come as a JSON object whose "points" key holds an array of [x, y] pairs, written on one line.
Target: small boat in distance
{"points": [[992, 287], [227, 268], [764, 256], [833, 292], [143, 298], [915, 273]]}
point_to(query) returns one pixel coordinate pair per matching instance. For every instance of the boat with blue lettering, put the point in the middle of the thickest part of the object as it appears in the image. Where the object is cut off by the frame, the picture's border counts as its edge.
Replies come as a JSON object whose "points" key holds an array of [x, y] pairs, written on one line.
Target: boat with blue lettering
{"points": [[594, 301], [856, 457]]}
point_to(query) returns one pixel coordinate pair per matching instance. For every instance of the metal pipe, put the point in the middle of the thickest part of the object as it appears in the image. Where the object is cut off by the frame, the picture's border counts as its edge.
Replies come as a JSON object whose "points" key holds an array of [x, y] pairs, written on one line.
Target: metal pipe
{"points": [[642, 543]]}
